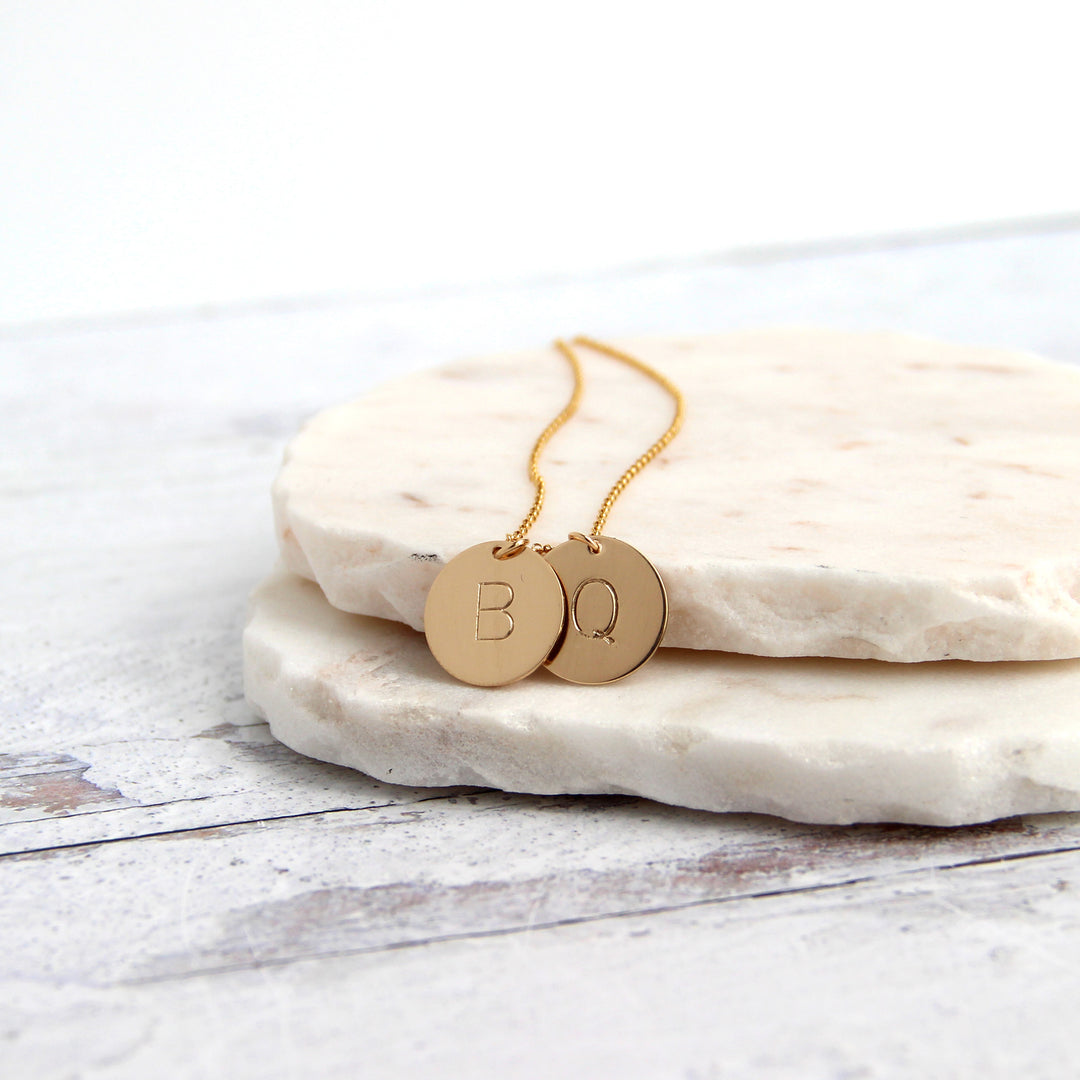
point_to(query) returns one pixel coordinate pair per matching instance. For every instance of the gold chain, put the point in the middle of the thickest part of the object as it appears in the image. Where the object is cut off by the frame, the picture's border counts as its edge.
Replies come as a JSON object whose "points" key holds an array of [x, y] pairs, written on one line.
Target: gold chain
{"points": [[657, 447], [522, 531], [571, 407]]}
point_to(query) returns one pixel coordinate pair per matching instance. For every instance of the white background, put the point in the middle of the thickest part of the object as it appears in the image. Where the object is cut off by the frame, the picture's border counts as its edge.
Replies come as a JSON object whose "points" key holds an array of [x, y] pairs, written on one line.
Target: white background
{"points": [[161, 155]]}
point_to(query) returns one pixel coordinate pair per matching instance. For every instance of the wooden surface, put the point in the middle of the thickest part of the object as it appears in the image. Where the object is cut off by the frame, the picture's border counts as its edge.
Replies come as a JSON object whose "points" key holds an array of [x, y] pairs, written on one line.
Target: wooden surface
{"points": [[181, 896]]}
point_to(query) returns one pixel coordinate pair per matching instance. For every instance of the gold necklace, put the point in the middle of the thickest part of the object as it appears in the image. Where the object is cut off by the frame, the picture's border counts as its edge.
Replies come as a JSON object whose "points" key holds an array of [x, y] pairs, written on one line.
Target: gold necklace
{"points": [[593, 609]]}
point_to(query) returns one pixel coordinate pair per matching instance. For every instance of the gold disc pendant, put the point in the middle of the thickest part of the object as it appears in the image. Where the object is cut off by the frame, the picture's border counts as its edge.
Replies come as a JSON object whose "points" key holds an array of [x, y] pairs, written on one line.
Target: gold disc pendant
{"points": [[616, 609], [494, 613]]}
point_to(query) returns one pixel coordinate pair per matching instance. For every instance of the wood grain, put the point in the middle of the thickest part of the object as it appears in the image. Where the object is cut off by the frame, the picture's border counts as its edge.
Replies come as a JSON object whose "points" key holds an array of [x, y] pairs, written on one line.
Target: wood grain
{"points": [[181, 896]]}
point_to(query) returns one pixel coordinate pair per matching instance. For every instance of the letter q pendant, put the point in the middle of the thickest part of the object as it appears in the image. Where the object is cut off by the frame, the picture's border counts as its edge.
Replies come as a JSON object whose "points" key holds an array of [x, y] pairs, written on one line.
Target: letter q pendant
{"points": [[616, 609], [494, 613]]}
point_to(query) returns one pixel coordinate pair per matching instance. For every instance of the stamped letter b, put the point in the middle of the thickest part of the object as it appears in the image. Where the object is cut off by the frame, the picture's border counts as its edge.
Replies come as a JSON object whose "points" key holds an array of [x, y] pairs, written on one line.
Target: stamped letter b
{"points": [[493, 621]]}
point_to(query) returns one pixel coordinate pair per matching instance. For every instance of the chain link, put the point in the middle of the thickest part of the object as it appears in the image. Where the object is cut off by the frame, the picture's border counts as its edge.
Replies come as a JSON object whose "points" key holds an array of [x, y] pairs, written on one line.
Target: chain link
{"points": [[570, 409]]}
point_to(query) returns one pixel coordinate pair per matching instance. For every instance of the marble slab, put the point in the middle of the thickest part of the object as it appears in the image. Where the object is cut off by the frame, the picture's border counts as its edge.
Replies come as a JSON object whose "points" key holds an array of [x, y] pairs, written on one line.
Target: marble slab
{"points": [[835, 494], [815, 740]]}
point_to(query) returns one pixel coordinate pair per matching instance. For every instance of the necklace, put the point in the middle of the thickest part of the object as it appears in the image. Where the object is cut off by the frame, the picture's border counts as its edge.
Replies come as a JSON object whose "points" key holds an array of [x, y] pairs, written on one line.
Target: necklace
{"points": [[593, 609]]}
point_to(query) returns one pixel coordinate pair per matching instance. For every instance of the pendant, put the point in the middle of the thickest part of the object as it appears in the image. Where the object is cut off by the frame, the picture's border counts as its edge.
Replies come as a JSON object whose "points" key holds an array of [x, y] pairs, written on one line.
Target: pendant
{"points": [[494, 613], [616, 609]]}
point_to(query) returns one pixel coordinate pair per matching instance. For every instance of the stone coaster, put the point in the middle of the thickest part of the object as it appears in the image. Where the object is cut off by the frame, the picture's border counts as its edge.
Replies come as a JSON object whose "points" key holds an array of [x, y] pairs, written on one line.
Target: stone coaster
{"points": [[852, 495], [831, 741]]}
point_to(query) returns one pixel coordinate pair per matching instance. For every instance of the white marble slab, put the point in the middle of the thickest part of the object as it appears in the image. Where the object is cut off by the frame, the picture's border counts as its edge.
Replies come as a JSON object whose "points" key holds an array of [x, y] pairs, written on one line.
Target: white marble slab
{"points": [[836, 494], [816, 740]]}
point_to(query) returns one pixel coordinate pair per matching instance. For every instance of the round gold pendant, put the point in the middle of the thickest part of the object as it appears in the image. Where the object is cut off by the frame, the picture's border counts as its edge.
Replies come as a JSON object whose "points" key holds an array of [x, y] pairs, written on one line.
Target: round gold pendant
{"points": [[492, 621], [616, 610]]}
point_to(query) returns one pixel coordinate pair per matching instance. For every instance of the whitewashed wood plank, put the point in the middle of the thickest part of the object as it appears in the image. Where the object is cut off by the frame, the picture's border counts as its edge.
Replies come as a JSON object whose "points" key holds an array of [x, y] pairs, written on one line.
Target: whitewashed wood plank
{"points": [[269, 891], [33, 786], [245, 775], [966, 973]]}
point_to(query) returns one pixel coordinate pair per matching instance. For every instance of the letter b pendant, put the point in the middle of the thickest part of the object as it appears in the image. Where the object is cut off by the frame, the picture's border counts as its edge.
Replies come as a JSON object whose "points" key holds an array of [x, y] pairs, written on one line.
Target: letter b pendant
{"points": [[492, 621]]}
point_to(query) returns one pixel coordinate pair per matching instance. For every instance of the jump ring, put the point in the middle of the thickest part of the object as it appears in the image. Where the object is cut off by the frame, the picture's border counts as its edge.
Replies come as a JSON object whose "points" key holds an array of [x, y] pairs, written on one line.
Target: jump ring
{"points": [[589, 541], [510, 549]]}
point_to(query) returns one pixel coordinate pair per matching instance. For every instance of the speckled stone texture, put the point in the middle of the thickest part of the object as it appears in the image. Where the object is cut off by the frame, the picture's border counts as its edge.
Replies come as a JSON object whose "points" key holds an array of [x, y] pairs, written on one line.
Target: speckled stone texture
{"points": [[834, 494], [818, 740]]}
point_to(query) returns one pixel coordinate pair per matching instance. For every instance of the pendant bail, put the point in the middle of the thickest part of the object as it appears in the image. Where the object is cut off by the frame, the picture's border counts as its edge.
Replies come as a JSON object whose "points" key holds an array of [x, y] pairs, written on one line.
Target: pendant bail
{"points": [[590, 542], [510, 548]]}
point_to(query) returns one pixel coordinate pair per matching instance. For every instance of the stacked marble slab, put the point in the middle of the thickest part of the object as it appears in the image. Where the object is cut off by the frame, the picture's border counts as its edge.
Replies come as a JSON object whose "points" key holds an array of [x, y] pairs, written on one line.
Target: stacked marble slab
{"points": [[870, 545]]}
